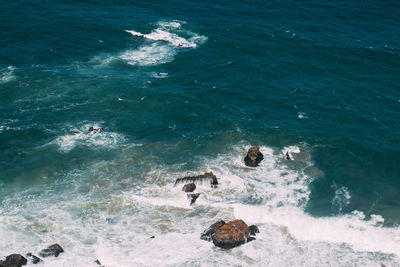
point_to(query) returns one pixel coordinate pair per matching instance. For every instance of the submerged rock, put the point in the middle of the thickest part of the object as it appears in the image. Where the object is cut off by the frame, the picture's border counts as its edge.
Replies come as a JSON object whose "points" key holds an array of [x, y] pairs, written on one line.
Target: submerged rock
{"points": [[189, 187], [253, 157], [231, 234], [14, 260], [34, 259], [199, 179], [53, 250], [210, 231], [193, 197]]}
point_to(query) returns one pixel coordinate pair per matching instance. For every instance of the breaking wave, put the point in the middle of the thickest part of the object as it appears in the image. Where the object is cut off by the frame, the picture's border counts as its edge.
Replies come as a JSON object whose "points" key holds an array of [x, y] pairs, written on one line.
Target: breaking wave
{"points": [[168, 39], [82, 137]]}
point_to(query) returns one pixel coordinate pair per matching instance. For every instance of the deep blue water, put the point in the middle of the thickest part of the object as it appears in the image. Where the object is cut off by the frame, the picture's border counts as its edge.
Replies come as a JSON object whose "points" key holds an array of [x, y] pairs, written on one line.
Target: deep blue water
{"points": [[323, 76]]}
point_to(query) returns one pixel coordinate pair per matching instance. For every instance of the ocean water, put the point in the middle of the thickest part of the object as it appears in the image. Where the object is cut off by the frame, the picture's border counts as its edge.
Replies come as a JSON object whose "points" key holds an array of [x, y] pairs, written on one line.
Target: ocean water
{"points": [[182, 88]]}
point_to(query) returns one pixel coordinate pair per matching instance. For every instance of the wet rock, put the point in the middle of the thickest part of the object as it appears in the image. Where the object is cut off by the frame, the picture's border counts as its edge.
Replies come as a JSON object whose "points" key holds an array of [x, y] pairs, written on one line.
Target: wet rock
{"points": [[151, 237], [34, 259], [207, 176], [210, 231], [53, 250], [253, 230], [193, 197], [189, 187], [96, 130], [14, 260], [253, 157], [288, 156], [231, 234]]}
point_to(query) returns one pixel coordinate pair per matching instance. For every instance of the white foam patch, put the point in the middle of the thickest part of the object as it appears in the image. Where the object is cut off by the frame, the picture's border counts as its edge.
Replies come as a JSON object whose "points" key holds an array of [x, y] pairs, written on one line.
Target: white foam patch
{"points": [[172, 33], [168, 39], [7, 74], [302, 115], [153, 54], [351, 229], [82, 137], [159, 75]]}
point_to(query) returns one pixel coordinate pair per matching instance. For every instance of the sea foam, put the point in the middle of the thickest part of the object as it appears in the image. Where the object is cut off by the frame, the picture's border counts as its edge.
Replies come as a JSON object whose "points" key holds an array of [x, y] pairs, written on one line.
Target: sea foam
{"points": [[7, 74], [114, 220], [80, 136], [168, 39]]}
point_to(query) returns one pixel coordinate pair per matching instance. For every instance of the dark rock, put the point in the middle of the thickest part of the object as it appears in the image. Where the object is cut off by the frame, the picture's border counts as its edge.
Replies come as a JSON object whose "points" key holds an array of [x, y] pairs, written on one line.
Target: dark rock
{"points": [[97, 262], [193, 197], [231, 234], [152, 236], [288, 156], [253, 230], [189, 187], [53, 250], [33, 258], [253, 157], [208, 176], [14, 260], [210, 231], [96, 130]]}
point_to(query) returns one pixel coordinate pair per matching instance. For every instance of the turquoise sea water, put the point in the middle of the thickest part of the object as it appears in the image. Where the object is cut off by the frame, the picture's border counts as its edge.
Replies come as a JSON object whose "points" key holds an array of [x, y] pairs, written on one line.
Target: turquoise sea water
{"points": [[181, 88]]}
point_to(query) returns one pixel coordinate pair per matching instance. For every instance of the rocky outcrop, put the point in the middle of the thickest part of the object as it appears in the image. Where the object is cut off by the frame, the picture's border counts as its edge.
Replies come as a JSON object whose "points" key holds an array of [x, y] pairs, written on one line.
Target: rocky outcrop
{"points": [[34, 259], [193, 197], [53, 250], [208, 176], [253, 157], [189, 187], [231, 234], [210, 231], [14, 260]]}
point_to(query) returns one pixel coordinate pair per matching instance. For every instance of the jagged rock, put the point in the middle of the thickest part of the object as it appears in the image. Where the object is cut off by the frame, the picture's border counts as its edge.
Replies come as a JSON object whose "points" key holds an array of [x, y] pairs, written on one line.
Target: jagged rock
{"points": [[231, 234], [253, 230], [253, 157], [288, 156], [53, 250], [34, 259], [210, 231], [14, 260], [193, 197], [189, 187], [98, 263], [199, 179], [96, 130]]}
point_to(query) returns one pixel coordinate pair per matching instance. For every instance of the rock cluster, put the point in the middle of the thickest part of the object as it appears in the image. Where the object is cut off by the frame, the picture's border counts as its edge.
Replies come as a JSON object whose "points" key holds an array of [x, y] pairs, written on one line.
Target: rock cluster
{"points": [[17, 260], [191, 181]]}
